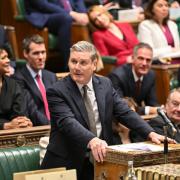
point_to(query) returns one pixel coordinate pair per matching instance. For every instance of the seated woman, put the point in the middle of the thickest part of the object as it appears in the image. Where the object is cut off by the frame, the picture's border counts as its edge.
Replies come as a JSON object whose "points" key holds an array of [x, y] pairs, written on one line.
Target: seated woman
{"points": [[11, 100], [112, 38], [158, 30], [17, 110]]}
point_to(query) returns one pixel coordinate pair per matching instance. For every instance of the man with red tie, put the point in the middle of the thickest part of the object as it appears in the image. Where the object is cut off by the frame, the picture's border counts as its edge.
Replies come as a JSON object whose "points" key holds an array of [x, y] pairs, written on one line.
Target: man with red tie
{"points": [[33, 77]]}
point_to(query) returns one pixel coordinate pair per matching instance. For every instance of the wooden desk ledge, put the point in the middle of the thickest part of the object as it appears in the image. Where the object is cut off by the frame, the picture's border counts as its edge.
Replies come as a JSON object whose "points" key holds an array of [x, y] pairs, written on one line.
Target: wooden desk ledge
{"points": [[23, 136]]}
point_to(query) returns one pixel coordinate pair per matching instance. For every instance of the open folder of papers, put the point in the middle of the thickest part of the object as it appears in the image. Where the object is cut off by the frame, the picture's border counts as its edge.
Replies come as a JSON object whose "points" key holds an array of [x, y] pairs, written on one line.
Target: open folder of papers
{"points": [[137, 147]]}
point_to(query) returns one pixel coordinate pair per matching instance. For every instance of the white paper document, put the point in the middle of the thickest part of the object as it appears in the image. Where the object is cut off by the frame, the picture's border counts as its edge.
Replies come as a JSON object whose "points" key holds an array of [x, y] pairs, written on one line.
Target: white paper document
{"points": [[137, 147]]}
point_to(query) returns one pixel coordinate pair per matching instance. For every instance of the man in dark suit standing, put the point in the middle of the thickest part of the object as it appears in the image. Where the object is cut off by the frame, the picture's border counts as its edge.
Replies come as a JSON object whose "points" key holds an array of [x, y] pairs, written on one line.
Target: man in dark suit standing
{"points": [[35, 53], [79, 127], [136, 80], [58, 16]]}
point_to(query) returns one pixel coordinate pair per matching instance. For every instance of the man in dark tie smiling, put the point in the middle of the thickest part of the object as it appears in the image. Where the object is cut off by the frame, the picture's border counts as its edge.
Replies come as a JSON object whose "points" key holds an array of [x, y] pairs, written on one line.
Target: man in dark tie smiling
{"points": [[137, 80]]}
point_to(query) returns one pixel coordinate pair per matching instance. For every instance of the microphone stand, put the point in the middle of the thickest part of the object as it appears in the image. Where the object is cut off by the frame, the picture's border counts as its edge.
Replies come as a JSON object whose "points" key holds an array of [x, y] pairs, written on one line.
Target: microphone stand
{"points": [[165, 145]]}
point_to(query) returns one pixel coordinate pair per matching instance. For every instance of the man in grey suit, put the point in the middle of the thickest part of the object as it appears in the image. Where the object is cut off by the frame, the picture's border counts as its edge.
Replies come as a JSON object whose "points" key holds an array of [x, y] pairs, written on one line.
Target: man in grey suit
{"points": [[125, 79], [35, 53], [72, 138]]}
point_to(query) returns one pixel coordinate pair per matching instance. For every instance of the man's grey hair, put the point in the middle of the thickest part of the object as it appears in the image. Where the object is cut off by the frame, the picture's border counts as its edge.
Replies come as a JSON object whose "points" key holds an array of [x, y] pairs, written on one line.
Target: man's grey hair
{"points": [[173, 91], [84, 46], [140, 46], [36, 38]]}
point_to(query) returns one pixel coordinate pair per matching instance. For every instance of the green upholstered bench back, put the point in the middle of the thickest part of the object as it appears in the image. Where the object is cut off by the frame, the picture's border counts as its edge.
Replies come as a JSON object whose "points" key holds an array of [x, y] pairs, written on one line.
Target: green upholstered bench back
{"points": [[21, 10], [18, 160]]}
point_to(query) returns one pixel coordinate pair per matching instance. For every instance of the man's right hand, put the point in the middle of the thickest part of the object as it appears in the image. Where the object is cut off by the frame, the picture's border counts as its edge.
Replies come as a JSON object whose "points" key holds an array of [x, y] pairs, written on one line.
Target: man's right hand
{"points": [[98, 148]]}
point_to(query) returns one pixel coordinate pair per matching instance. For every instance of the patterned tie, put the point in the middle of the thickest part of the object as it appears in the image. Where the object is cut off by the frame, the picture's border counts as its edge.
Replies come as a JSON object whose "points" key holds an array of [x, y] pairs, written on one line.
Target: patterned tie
{"points": [[89, 109], [66, 4], [43, 94]]}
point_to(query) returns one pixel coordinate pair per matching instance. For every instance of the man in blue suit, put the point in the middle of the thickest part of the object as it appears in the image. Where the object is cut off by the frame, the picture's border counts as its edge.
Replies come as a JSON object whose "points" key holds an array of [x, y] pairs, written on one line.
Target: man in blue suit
{"points": [[73, 136], [35, 54], [58, 16]]}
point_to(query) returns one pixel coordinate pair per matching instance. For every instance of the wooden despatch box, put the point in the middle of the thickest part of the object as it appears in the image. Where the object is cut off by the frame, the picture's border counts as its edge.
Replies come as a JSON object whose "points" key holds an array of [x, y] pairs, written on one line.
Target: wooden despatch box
{"points": [[115, 163]]}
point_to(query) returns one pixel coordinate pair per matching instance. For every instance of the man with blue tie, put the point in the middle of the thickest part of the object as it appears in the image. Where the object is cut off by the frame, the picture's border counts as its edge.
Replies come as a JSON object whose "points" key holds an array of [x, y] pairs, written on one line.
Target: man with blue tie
{"points": [[58, 16]]}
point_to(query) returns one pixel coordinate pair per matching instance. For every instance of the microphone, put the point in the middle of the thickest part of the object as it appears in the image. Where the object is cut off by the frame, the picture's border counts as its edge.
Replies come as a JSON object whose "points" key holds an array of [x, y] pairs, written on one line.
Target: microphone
{"points": [[166, 119]]}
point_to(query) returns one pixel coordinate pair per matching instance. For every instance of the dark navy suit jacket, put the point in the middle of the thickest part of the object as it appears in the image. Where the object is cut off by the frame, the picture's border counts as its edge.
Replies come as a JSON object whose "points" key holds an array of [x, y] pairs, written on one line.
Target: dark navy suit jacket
{"points": [[26, 81], [38, 11], [157, 123], [123, 81], [70, 132]]}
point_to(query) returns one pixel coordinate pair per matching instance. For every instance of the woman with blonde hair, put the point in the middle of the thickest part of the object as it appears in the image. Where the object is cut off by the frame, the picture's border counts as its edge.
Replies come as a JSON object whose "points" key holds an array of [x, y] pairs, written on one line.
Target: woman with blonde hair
{"points": [[112, 38]]}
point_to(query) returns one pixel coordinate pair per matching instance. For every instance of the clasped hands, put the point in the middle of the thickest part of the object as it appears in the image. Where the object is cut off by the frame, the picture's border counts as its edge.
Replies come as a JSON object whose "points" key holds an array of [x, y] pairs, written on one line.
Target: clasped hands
{"points": [[18, 122]]}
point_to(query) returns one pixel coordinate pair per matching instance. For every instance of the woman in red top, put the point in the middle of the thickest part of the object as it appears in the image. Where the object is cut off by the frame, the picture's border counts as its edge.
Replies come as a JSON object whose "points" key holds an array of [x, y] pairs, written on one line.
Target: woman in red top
{"points": [[112, 38]]}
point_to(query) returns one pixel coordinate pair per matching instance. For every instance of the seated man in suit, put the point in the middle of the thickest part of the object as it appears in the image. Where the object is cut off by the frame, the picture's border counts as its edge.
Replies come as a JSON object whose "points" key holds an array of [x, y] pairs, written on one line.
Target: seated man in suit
{"points": [[58, 16], [82, 106], [172, 111], [136, 80], [33, 77], [17, 110]]}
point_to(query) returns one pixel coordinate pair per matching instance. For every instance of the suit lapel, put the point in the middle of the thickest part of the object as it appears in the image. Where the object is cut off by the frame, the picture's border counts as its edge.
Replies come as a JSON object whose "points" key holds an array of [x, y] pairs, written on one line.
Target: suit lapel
{"points": [[100, 98], [44, 79], [131, 81], [30, 82], [77, 98]]}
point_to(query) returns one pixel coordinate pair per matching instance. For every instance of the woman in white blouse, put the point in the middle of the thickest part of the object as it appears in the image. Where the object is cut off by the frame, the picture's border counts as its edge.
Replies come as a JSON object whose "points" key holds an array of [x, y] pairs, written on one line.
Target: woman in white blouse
{"points": [[158, 30]]}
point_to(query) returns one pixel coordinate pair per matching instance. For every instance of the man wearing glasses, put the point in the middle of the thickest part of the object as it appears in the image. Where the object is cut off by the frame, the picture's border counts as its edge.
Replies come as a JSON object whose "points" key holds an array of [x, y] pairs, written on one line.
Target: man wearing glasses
{"points": [[172, 111]]}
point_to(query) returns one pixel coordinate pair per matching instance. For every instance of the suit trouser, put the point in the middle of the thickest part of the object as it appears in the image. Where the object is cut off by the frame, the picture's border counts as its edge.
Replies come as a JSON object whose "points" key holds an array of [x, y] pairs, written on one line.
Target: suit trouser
{"points": [[60, 25]]}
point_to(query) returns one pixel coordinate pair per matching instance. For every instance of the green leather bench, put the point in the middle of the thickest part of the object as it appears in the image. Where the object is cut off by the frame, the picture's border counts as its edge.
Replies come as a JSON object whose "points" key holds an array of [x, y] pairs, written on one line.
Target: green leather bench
{"points": [[18, 159]]}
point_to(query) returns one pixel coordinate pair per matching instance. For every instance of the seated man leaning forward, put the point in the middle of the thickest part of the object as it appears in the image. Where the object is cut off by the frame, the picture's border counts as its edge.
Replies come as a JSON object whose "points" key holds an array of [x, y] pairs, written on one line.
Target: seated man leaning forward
{"points": [[137, 80], [172, 111], [81, 106]]}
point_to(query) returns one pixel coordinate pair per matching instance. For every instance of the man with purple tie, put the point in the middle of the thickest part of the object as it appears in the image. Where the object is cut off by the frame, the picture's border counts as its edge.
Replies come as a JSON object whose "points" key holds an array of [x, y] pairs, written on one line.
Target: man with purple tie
{"points": [[57, 16]]}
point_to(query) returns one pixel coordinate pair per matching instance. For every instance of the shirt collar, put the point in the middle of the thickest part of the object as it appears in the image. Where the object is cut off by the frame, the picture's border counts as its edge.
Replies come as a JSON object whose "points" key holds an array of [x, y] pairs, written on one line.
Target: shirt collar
{"points": [[89, 84], [136, 78], [33, 73]]}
